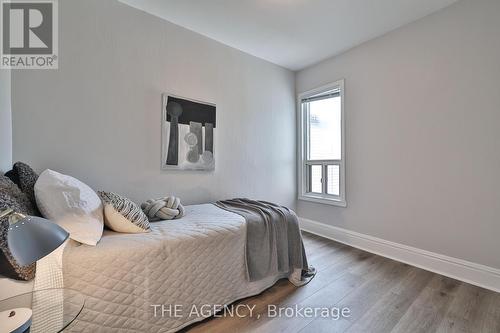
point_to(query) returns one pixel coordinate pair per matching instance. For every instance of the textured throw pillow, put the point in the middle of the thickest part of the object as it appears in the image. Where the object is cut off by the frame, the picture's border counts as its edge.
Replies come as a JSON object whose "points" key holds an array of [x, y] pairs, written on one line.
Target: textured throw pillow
{"points": [[24, 176], [71, 204], [123, 215], [12, 197]]}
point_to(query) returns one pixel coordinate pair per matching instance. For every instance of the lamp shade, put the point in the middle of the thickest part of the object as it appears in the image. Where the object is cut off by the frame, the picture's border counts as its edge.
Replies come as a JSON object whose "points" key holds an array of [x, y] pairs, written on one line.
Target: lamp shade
{"points": [[32, 238]]}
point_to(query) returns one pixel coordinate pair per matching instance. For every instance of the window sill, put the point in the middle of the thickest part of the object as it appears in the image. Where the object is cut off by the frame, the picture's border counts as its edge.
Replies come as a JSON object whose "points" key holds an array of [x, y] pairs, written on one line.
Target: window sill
{"points": [[322, 200]]}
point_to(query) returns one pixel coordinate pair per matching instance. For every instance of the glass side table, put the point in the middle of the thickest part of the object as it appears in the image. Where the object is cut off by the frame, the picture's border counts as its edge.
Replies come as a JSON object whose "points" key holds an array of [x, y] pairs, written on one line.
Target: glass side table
{"points": [[42, 311]]}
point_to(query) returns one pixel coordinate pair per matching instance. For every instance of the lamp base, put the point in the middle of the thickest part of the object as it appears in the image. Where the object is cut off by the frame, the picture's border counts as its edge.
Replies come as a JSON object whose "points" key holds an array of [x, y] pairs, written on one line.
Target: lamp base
{"points": [[15, 320]]}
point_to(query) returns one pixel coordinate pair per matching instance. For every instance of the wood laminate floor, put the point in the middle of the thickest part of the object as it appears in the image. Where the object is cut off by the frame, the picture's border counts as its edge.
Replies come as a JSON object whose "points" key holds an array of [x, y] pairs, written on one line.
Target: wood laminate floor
{"points": [[382, 295]]}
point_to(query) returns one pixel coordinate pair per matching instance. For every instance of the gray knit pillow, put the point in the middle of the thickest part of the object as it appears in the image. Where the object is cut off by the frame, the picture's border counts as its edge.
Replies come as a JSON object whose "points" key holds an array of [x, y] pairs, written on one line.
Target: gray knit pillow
{"points": [[12, 197], [24, 177], [122, 214]]}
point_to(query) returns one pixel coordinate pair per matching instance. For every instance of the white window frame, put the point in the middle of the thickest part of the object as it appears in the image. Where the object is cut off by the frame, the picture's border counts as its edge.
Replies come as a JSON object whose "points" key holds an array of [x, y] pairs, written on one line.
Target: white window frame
{"points": [[303, 163]]}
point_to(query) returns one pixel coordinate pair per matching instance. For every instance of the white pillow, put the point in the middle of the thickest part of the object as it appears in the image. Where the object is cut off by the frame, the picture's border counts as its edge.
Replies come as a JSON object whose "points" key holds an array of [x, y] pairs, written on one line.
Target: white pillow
{"points": [[71, 204]]}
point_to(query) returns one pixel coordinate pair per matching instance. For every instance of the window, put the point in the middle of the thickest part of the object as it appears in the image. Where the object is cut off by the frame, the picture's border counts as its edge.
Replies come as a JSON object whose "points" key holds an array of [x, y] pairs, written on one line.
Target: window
{"points": [[322, 153]]}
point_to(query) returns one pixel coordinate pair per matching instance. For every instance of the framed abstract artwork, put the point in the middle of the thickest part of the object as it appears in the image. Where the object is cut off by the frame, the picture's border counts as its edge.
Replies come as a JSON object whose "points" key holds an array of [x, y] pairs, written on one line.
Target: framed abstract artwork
{"points": [[188, 132]]}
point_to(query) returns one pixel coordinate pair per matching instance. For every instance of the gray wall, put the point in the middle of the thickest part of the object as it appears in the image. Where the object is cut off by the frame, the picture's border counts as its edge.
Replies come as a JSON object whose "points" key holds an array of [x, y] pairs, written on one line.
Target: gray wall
{"points": [[98, 116], [423, 134], [5, 122]]}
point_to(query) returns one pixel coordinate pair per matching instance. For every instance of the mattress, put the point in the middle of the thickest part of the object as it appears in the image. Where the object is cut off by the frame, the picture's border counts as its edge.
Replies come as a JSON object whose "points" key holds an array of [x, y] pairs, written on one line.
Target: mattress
{"points": [[194, 262]]}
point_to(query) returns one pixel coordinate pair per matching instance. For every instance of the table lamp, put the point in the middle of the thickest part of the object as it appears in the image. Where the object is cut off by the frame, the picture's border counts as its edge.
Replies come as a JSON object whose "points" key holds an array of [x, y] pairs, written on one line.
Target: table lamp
{"points": [[29, 239]]}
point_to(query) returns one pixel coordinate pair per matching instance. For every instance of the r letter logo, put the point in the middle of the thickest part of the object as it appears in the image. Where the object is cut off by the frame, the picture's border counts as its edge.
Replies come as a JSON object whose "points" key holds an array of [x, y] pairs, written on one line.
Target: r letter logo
{"points": [[29, 38]]}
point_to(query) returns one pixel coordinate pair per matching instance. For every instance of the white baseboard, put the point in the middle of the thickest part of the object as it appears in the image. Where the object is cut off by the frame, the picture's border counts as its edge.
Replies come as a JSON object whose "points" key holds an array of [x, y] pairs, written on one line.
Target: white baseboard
{"points": [[476, 274]]}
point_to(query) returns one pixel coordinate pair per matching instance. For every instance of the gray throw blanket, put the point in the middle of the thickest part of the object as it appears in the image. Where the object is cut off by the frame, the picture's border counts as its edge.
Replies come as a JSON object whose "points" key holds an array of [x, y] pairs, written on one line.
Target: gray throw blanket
{"points": [[272, 232]]}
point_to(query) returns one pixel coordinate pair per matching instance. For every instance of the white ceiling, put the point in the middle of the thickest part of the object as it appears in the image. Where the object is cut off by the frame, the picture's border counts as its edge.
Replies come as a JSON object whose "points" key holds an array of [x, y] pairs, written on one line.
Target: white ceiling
{"points": [[291, 33]]}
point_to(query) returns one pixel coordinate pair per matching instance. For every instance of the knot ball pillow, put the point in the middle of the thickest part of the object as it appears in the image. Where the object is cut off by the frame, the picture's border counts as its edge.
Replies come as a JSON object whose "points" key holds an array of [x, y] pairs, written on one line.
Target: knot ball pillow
{"points": [[122, 214], [71, 204], [163, 209]]}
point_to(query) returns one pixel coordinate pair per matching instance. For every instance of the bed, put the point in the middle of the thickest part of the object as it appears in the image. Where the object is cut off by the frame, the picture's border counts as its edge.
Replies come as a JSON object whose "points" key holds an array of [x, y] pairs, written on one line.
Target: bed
{"points": [[197, 260]]}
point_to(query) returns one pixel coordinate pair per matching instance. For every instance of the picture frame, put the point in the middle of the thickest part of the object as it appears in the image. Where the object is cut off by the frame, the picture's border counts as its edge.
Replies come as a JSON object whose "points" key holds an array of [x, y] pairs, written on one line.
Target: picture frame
{"points": [[188, 133]]}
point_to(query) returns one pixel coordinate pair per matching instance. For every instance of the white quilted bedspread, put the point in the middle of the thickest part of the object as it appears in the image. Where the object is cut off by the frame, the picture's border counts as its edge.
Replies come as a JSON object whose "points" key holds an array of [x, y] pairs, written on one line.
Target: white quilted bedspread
{"points": [[196, 260]]}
